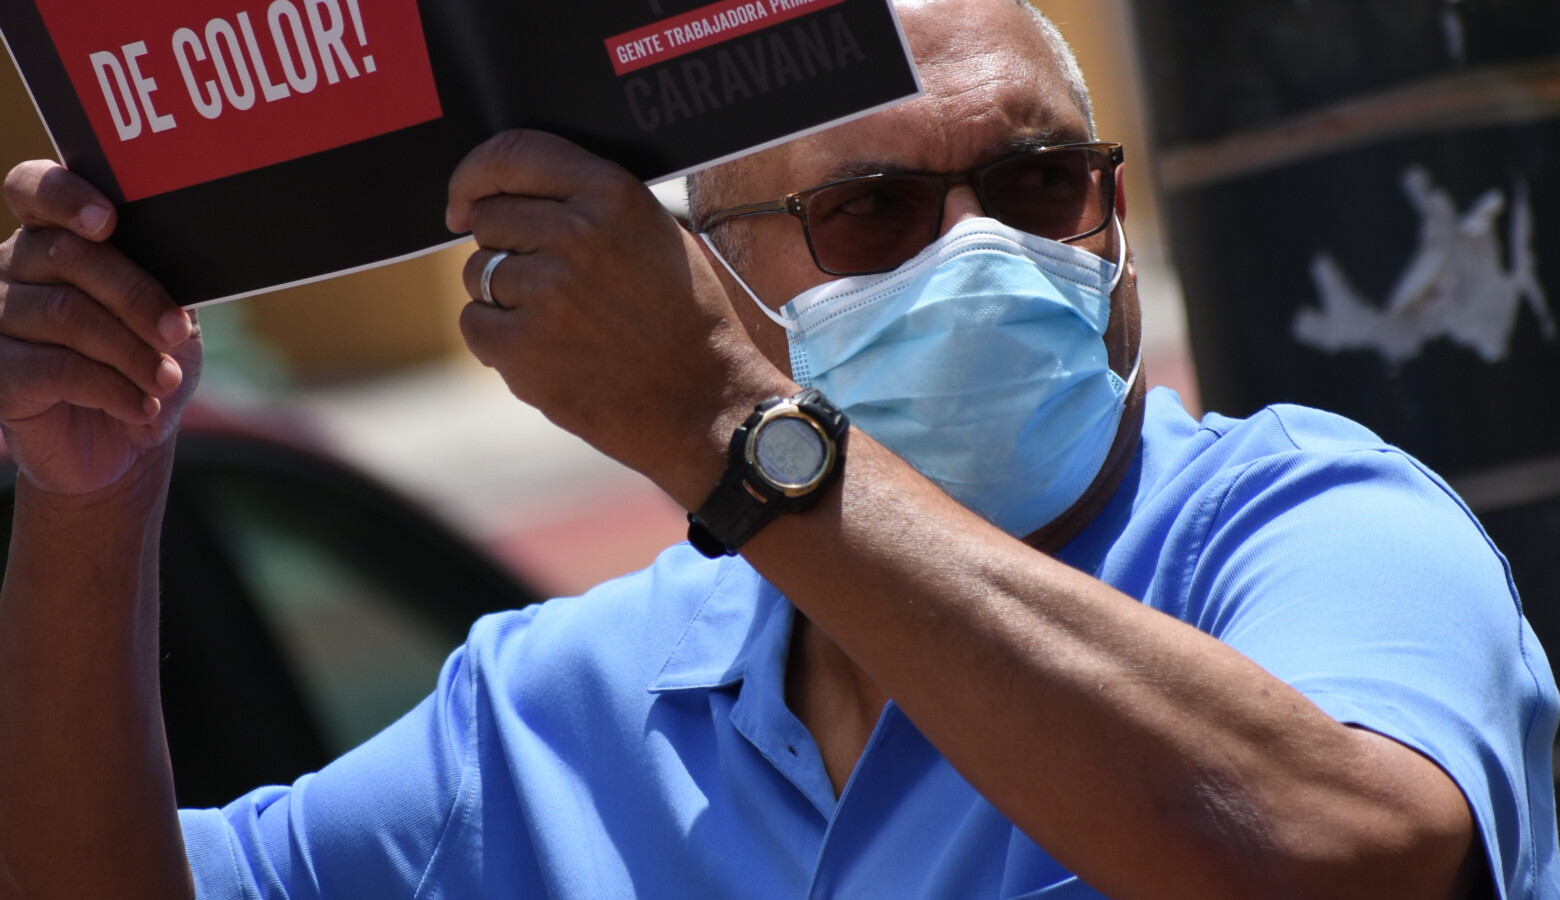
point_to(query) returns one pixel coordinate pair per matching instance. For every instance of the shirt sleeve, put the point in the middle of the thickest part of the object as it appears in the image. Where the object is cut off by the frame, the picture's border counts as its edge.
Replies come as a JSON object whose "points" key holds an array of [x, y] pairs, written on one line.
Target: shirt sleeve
{"points": [[371, 824], [1360, 580]]}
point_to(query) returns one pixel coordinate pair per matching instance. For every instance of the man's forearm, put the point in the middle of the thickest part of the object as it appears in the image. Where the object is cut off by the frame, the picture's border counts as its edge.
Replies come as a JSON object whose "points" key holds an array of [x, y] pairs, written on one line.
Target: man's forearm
{"points": [[86, 792]]}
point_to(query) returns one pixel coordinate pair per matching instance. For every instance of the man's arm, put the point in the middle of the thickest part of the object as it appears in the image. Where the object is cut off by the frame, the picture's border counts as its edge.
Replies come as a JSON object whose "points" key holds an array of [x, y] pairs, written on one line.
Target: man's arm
{"points": [[1092, 722], [1095, 723], [96, 364]]}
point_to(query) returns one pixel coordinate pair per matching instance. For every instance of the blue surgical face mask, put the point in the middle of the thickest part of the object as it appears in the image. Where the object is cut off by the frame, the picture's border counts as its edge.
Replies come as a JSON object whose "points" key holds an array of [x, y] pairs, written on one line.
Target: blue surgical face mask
{"points": [[981, 362]]}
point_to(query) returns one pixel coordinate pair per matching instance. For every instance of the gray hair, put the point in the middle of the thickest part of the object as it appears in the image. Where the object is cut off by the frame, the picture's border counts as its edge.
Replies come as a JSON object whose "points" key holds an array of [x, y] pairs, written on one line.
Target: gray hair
{"points": [[710, 189], [1072, 73]]}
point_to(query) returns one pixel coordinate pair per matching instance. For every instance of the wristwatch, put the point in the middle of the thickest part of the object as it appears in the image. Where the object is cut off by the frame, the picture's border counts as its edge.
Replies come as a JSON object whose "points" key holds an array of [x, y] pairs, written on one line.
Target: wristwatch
{"points": [[780, 460]]}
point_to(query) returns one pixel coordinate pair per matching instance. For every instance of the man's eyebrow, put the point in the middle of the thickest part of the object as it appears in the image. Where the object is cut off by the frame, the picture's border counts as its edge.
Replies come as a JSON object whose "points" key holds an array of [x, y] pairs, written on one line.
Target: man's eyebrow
{"points": [[1042, 139], [855, 168]]}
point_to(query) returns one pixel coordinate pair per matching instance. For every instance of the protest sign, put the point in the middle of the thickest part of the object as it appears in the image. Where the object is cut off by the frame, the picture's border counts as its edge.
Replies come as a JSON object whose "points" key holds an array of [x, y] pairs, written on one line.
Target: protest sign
{"points": [[252, 144]]}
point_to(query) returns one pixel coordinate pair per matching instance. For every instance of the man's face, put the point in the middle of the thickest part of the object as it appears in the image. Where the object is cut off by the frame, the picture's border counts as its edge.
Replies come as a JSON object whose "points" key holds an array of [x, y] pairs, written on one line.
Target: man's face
{"points": [[991, 81]]}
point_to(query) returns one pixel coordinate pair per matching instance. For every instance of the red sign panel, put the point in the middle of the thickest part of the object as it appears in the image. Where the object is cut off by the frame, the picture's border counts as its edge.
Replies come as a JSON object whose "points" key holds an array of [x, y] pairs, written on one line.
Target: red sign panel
{"points": [[181, 92], [671, 38]]}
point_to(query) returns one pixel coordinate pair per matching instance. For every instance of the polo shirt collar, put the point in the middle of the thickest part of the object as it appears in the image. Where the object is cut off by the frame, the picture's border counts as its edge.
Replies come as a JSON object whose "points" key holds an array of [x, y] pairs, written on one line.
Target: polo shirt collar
{"points": [[738, 622], [741, 634]]}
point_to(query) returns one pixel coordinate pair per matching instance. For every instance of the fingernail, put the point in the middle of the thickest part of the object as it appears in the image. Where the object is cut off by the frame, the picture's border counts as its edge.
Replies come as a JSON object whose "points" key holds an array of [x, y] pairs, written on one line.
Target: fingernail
{"points": [[175, 327], [151, 406], [92, 218], [168, 374]]}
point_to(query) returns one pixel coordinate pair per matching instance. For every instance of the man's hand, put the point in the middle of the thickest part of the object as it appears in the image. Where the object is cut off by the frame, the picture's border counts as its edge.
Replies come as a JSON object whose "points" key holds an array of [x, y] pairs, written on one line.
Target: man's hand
{"points": [[96, 360], [609, 318]]}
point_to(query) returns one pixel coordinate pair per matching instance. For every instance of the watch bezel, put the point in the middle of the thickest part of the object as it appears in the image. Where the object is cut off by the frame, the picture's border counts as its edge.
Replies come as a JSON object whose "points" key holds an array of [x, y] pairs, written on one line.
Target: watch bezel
{"points": [[789, 409]]}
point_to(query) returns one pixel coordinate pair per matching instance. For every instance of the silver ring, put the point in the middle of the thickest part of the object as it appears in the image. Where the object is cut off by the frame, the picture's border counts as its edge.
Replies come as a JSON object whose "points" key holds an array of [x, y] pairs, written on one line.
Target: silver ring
{"points": [[487, 276]]}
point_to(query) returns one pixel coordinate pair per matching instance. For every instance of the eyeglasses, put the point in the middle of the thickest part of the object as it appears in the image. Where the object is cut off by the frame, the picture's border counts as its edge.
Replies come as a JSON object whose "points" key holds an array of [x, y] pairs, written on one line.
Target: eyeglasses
{"points": [[874, 223]]}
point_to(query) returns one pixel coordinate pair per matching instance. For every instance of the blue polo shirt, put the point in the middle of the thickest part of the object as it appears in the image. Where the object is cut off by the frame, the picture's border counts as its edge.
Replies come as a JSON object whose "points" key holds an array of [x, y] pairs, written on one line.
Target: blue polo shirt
{"points": [[635, 742]]}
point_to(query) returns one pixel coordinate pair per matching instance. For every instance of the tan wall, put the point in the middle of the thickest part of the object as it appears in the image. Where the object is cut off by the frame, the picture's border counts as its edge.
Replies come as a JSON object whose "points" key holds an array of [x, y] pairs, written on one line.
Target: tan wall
{"points": [[21, 134], [369, 321]]}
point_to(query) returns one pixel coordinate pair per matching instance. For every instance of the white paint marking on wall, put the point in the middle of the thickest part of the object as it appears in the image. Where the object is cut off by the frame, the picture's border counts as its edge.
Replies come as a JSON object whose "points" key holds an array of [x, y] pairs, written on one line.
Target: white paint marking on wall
{"points": [[1456, 286]]}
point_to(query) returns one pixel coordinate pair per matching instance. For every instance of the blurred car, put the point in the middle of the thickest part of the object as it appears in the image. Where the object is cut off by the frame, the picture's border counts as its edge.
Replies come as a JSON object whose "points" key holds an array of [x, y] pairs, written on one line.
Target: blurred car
{"points": [[305, 605]]}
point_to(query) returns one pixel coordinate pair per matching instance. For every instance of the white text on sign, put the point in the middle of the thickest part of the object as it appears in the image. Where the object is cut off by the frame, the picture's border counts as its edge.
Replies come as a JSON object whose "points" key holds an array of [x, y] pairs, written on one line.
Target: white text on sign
{"points": [[224, 64]]}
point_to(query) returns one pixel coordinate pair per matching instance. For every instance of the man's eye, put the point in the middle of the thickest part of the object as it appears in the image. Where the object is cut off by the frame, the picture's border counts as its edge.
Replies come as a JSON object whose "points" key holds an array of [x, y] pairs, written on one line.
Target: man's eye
{"points": [[871, 202], [1043, 178]]}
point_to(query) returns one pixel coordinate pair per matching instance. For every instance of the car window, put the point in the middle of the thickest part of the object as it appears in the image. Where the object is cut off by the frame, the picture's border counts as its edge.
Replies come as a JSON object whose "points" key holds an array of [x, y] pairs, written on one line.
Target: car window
{"points": [[305, 607]]}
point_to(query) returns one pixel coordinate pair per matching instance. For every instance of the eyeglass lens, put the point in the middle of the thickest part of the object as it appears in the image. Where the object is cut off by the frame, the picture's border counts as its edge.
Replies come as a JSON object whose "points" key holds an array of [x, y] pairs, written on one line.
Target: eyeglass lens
{"points": [[875, 224]]}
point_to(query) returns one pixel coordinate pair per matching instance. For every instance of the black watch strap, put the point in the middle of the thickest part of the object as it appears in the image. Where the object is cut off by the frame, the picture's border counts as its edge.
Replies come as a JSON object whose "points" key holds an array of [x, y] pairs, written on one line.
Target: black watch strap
{"points": [[738, 512], [743, 501]]}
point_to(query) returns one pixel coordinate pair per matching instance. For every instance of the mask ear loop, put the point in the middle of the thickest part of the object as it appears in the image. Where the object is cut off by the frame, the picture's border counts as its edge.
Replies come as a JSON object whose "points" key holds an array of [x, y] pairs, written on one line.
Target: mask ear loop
{"points": [[1121, 255], [1121, 266], [775, 317]]}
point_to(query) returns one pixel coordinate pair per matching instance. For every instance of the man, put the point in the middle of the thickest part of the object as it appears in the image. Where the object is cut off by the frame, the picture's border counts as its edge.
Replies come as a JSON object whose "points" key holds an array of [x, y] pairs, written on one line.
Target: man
{"points": [[885, 694]]}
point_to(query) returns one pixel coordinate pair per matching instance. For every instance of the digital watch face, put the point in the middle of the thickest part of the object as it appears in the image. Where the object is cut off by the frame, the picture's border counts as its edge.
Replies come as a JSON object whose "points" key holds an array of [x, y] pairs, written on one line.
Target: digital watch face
{"points": [[790, 452]]}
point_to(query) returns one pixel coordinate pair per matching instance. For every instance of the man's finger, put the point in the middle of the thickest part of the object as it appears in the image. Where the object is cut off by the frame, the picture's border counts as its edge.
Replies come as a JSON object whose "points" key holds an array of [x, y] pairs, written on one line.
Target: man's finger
{"points": [[37, 378], [64, 316], [527, 224], [517, 277], [102, 272], [525, 163], [486, 330], [44, 194]]}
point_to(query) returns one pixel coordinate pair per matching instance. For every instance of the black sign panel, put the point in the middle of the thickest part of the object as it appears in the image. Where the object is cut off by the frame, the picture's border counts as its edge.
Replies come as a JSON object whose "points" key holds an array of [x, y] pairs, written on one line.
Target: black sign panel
{"points": [[1363, 205], [254, 144]]}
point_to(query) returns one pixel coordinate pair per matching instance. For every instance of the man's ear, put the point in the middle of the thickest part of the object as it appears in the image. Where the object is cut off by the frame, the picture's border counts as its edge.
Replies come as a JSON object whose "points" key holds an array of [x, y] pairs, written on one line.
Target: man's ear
{"points": [[1121, 192]]}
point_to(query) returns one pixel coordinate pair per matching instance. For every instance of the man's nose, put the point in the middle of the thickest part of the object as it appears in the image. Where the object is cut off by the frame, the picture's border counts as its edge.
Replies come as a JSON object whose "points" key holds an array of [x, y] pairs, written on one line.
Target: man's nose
{"points": [[960, 204]]}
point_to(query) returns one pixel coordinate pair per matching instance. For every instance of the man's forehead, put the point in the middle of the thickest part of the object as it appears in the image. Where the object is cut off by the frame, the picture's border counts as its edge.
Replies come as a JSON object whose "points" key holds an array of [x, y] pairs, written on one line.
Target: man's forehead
{"points": [[993, 86]]}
